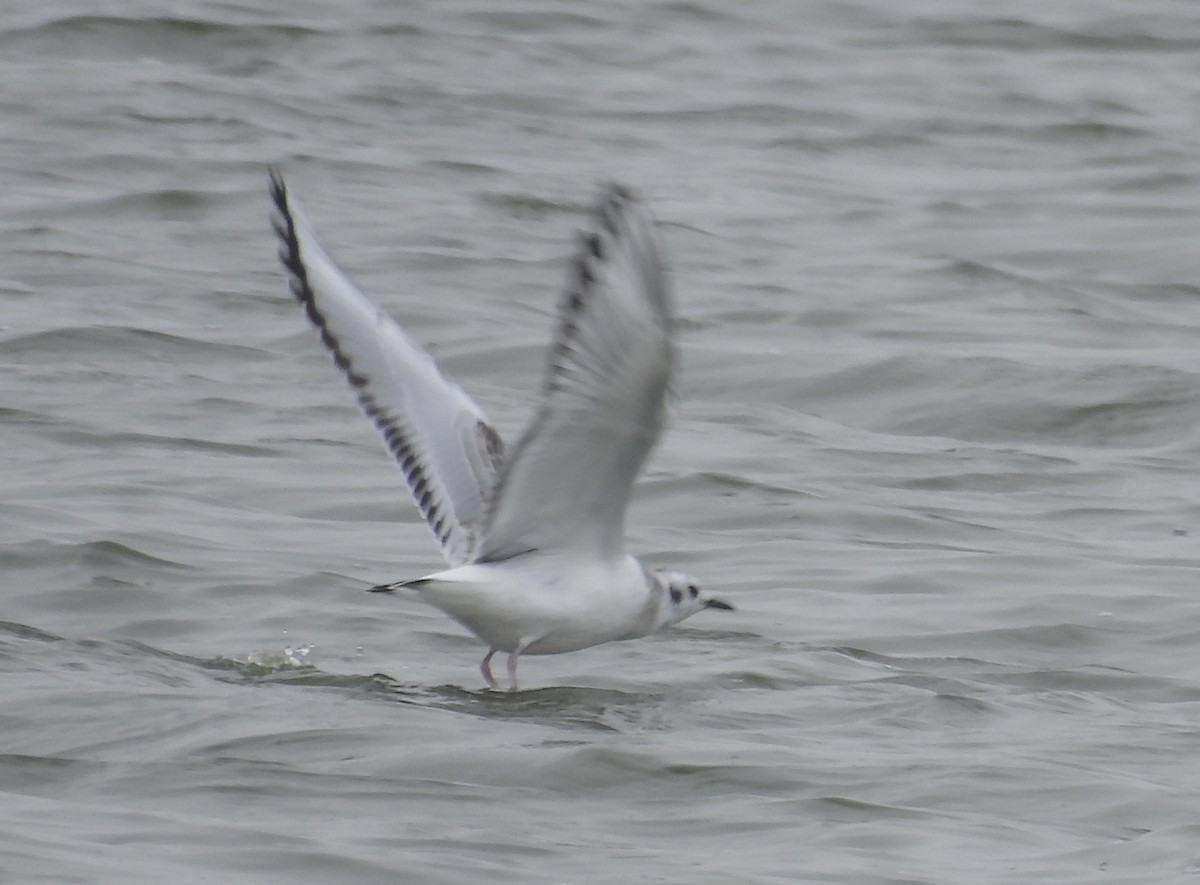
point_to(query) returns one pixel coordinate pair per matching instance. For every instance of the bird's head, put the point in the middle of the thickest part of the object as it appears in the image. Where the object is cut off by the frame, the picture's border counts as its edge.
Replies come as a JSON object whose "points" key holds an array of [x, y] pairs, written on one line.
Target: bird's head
{"points": [[682, 597]]}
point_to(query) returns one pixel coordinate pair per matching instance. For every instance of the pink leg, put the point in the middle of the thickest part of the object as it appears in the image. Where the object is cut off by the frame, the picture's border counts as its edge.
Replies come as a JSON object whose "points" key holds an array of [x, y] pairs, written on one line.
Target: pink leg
{"points": [[512, 671], [486, 669]]}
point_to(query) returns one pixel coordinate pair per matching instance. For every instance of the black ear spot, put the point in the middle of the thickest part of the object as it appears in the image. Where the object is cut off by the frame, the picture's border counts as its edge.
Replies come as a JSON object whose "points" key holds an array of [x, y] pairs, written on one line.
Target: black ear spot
{"points": [[676, 595], [693, 591]]}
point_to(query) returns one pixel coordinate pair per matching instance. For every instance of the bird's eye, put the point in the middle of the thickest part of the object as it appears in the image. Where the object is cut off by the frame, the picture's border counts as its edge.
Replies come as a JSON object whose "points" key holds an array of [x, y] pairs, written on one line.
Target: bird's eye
{"points": [[693, 591]]}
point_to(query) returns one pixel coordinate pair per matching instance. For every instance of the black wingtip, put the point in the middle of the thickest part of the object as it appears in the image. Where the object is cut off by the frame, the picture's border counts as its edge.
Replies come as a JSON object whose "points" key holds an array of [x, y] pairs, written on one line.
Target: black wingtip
{"points": [[277, 187], [382, 588]]}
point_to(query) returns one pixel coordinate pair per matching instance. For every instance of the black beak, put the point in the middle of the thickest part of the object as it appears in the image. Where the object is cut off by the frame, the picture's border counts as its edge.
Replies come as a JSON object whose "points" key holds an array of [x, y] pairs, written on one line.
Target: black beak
{"points": [[719, 604]]}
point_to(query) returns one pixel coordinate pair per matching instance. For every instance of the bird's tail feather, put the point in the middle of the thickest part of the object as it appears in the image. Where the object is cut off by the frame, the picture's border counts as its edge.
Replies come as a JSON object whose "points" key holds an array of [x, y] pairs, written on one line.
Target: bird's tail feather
{"points": [[396, 585]]}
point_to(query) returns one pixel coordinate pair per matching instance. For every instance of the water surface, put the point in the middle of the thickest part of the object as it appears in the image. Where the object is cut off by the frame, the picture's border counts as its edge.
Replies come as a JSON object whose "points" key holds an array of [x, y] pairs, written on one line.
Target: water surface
{"points": [[936, 436]]}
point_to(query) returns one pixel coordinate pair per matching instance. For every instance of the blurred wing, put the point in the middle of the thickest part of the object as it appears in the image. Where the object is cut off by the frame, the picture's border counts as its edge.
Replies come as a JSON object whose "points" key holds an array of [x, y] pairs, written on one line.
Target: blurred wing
{"points": [[568, 482], [442, 441]]}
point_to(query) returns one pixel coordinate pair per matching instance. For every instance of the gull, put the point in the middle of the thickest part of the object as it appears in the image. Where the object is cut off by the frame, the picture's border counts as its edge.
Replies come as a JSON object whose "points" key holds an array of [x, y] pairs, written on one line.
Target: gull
{"points": [[534, 536]]}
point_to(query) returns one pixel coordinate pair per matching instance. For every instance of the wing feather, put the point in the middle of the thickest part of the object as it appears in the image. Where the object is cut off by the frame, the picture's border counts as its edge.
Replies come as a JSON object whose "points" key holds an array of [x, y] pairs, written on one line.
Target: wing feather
{"points": [[442, 442], [568, 482]]}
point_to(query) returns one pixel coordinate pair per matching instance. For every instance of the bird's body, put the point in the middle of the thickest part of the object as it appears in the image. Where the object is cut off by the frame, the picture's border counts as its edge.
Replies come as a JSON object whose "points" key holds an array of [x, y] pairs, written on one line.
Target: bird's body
{"points": [[534, 536], [567, 607]]}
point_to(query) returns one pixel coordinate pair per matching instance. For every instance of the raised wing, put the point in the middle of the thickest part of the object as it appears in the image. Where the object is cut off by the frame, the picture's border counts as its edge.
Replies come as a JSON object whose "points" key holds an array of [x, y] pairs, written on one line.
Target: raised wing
{"points": [[568, 482], [442, 441]]}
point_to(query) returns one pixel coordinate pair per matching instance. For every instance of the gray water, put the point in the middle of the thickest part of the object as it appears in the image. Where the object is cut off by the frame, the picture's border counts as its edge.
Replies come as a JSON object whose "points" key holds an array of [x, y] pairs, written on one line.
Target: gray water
{"points": [[937, 435]]}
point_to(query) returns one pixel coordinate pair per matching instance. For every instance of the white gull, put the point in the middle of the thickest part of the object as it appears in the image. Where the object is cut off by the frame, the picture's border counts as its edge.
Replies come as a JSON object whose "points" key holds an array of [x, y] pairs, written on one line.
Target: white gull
{"points": [[535, 537]]}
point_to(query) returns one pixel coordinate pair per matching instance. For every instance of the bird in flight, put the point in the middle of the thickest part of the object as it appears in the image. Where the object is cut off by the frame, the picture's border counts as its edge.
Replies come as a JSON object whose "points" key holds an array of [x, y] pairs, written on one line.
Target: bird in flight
{"points": [[534, 535]]}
